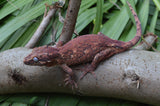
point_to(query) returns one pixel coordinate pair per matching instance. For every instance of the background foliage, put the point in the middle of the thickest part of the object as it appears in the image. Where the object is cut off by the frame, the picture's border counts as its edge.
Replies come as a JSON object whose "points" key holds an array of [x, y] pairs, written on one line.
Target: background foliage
{"points": [[19, 20]]}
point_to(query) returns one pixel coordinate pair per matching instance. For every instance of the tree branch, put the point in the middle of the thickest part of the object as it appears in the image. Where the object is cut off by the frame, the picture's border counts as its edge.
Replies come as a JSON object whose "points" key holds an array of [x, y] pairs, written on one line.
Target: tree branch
{"points": [[148, 40], [117, 77], [70, 20]]}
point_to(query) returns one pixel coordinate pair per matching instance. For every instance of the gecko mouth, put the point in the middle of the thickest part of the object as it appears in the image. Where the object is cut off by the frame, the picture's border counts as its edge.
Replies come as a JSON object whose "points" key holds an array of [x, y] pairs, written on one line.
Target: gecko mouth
{"points": [[28, 62]]}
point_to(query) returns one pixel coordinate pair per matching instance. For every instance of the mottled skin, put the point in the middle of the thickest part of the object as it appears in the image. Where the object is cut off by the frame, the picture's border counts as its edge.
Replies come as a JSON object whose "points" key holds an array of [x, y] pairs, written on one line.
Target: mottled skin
{"points": [[92, 48]]}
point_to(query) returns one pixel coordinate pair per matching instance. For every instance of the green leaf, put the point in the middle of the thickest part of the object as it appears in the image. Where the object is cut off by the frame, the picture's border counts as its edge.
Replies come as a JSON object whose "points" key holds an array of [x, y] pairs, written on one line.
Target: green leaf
{"points": [[27, 35], [99, 16], [157, 3], [5, 104], [14, 37], [153, 21], [19, 104], [86, 17], [4, 97], [126, 31], [34, 99], [19, 21], [67, 100], [143, 14], [85, 5], [115, 25], [12, 6]]}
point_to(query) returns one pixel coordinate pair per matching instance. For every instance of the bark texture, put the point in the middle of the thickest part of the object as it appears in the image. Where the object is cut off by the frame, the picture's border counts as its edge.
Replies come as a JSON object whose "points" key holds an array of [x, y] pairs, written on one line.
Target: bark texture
{"points": [[70, 20]]}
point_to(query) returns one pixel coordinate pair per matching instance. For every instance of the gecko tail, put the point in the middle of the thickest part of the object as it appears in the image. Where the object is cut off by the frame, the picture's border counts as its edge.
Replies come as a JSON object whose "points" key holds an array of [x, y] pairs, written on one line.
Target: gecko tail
{"points": [[138, 29]]}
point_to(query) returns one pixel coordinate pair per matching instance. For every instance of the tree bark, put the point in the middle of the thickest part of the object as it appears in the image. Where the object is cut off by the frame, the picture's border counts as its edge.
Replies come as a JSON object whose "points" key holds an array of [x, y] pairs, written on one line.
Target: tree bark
{"points": [[70, 20], [132, 75]]}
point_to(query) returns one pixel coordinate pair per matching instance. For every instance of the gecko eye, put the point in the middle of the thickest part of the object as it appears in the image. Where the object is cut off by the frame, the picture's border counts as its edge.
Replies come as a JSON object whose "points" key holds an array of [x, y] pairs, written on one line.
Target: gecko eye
{"points": [[35, 59]]}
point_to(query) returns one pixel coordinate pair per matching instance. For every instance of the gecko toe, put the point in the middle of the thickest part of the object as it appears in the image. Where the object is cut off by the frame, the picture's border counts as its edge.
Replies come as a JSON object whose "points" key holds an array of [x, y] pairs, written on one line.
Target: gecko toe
{"points": [[69, 81]]}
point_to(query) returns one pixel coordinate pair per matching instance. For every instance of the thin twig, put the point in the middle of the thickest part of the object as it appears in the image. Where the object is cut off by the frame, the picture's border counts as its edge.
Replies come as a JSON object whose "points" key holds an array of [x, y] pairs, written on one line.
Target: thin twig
{"points": [[45, 11], [54, 32], [47, 100], [115, 4], [46, 20], [61, 19], [150, 45], [147, 41]]}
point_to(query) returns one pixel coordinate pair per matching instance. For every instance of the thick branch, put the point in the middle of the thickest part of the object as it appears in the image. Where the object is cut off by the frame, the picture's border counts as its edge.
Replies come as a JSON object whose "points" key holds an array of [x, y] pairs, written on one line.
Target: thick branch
{"points": [[117, 77], [147, 42], [70, 20]]}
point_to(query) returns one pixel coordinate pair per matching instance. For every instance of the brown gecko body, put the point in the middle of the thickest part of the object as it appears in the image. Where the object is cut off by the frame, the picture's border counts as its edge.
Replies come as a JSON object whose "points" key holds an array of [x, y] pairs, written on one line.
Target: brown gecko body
{"points": [[92, 48]]}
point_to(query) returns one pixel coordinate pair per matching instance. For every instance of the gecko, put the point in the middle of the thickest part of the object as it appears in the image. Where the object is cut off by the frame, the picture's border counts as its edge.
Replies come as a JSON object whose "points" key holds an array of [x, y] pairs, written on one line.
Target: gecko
{"points": [[93, 48]]}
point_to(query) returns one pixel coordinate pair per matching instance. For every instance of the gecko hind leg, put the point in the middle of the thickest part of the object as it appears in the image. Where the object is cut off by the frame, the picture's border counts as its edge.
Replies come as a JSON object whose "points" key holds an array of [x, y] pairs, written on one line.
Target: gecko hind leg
{"points": [[88, 69], [97, 59]]}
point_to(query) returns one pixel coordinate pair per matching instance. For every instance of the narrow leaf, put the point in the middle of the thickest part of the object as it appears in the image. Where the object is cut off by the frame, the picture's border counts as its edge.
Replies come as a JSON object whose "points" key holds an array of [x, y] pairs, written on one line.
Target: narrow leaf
{"points": [[86, 4], [157, 3], [27, 35], [86, 17], [116, 24], [12, 6], [17, 22], [153, 21], [99, 16]]}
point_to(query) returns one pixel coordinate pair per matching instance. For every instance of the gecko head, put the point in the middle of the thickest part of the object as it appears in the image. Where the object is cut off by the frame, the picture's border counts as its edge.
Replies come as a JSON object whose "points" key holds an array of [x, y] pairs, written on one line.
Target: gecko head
{"points": [[43, 56]]}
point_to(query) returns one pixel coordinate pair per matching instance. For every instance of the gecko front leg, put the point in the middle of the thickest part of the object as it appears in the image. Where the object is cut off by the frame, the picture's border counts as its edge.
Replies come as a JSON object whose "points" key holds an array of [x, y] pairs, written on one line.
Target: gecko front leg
{"points": [[97, 59], [69, 76]]}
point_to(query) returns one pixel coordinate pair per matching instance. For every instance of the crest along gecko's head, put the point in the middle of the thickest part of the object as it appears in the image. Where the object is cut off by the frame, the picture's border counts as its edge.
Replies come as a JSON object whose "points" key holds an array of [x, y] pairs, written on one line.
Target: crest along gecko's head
{"points": [[43, 56]]}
